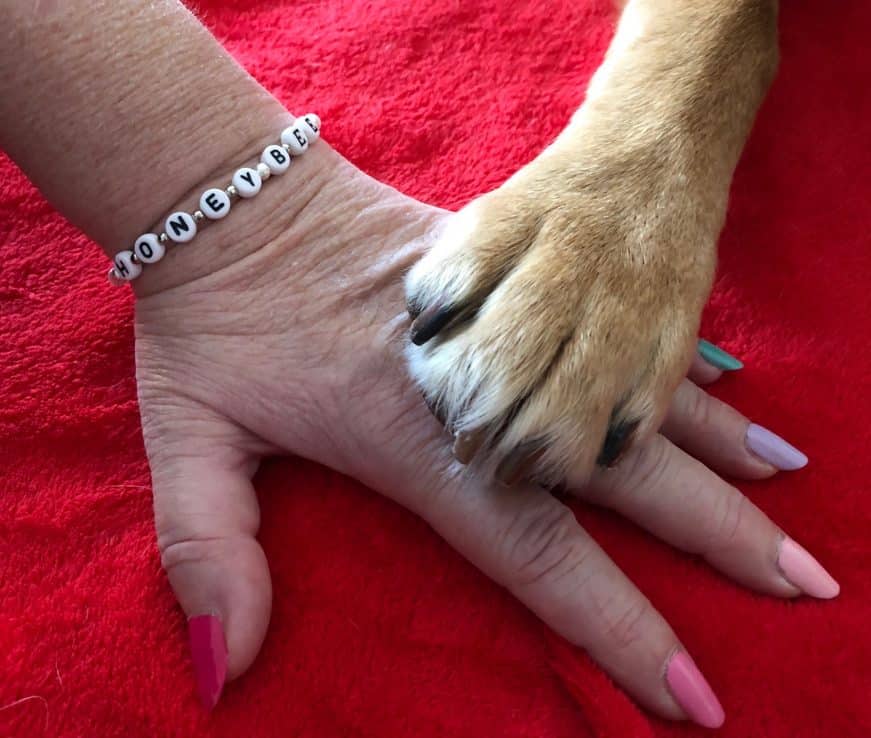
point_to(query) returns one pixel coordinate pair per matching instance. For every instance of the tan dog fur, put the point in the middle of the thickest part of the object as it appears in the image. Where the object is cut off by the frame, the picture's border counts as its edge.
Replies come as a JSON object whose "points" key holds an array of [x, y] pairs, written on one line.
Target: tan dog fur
{"points": [[574, 291]]}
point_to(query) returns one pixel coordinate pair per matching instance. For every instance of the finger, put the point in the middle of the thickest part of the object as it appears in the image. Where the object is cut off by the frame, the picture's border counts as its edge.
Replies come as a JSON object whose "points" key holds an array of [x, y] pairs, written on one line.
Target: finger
{"points": [[701, 372], [678, 499], [721, 437], [531, 543], [710, 362], [206, 516]]}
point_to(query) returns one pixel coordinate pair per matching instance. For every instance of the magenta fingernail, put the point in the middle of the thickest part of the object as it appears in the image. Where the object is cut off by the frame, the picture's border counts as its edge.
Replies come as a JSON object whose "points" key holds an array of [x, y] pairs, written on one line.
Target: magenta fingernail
{"points": [[209, 653], [805, 572], [692, 692], [773, 449]]}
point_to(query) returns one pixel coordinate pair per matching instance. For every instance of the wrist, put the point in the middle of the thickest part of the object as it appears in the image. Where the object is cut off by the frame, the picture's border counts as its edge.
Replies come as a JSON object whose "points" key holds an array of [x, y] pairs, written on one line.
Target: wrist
{"points": [[251, 226]]}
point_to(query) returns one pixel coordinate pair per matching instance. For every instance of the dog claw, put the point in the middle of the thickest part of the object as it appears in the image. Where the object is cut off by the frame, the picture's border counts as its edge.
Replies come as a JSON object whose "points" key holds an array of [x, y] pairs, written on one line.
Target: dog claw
{"points": [[430, 322], [616, 442], [467, 444], [518, 464]]}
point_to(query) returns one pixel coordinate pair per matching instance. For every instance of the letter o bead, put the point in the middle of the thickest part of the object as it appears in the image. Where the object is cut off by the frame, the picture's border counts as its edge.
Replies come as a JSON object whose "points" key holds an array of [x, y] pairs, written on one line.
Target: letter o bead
{"points": [[125, 267], [247, 182], [180, 227], [148, 248], [276, 158], [215, 204]]}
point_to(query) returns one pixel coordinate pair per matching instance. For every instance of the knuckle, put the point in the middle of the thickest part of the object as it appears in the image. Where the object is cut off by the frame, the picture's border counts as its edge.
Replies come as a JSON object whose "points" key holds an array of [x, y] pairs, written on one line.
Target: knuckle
{"points": [[178, 551], [728, 520], [626, 623], [545, 548], [699, 408]]}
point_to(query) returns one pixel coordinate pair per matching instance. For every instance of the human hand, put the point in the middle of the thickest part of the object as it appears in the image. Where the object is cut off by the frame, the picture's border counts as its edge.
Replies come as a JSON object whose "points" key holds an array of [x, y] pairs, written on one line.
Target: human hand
{"points": [[297, 348]]}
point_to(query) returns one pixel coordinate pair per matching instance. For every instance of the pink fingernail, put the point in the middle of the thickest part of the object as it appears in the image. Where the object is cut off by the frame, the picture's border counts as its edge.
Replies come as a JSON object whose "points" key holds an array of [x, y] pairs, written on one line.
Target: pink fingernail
{"points": [[772, 448], [805, 572], [209, 652], [692, 692]]}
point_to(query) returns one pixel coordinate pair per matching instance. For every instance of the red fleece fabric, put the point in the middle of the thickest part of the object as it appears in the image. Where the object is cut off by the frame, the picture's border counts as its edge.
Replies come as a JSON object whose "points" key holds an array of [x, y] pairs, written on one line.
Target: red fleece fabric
{"points": [[379, 628]]}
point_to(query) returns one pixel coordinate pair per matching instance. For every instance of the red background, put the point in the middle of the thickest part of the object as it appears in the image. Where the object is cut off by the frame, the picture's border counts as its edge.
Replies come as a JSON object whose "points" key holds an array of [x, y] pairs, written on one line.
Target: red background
{"points": [[379, 628]]}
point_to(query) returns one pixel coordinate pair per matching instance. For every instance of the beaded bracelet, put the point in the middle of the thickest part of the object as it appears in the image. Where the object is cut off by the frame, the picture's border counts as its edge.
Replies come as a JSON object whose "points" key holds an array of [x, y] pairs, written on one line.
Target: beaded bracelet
{"points": [[181, 227]]}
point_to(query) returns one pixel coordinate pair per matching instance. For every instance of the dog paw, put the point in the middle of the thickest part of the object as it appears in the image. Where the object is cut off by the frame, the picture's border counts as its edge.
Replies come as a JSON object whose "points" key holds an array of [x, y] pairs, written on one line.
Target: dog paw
{"points": [[554, 318]]}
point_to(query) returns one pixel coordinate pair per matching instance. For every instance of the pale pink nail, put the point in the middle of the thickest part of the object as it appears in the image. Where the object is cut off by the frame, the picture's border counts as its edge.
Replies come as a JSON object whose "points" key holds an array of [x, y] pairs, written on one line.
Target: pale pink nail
{"points": [[692, 692], [805, 572], [772, 448], [209, 653]]}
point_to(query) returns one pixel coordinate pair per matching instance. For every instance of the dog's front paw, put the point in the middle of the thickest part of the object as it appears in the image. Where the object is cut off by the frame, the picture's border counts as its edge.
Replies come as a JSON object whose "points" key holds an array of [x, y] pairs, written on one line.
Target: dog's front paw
{"points": [[553, 320]]}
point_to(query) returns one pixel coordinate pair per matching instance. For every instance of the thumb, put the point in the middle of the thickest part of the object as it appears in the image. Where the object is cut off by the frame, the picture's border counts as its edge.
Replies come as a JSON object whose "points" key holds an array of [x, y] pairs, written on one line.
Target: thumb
{"points": [[206, 515]]}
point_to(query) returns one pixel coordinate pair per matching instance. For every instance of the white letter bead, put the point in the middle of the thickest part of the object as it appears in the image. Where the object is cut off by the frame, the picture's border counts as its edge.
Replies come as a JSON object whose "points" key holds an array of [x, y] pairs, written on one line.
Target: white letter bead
{"points": [[276, 158], [148, 248], [180, 227], [311, 126], [124, 266], [295, 139], [215, 204], [247, 182]]}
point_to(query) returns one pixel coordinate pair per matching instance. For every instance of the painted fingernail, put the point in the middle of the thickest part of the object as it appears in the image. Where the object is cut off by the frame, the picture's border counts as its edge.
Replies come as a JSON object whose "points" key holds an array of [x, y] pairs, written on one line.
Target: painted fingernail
{"points": [[209, 653], [430, 322], [772, 448], [718, 358], [805, 572], [692, 692]]}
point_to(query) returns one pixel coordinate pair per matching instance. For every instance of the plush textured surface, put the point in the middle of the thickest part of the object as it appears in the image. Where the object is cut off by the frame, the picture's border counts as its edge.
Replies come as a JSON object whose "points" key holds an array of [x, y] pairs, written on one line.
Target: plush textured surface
{"points": [[379, 628]]}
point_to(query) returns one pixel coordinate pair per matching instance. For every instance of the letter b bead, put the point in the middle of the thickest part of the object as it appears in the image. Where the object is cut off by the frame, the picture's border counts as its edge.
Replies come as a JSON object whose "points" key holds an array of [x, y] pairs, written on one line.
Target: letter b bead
{"points": [[276, 158]]}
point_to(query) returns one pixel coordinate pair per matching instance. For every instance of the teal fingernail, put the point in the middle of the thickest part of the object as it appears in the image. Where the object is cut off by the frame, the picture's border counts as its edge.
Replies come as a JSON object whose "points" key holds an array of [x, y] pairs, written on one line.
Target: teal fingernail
{"points": [[715, 356]]}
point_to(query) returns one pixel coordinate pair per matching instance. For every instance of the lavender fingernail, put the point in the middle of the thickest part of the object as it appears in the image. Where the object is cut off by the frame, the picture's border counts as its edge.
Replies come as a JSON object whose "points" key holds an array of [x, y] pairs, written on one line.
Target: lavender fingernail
{"points": [[772, 448]]}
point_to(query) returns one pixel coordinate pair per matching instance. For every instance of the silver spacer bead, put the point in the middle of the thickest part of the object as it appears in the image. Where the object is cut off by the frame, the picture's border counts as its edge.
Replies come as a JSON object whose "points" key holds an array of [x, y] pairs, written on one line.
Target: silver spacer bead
{"points": [[285, 147], [134, 258], [264, 171], [113, 277], [232, 192], [198, 215], [163, 238]]}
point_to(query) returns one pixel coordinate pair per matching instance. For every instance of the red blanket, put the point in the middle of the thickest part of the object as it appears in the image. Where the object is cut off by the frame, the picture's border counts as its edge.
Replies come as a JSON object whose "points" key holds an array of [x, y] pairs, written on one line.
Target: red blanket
{"points": [[379, 629]]}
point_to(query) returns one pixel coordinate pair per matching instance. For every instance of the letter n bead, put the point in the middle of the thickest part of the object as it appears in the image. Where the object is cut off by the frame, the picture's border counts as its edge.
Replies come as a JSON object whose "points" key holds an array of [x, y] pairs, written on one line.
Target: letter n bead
{"points": [[180, 227]]}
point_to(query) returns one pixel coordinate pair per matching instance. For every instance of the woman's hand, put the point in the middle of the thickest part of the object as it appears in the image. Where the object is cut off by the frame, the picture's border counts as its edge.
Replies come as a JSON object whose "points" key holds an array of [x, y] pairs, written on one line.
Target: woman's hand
{"points": [[281, 330], [297, 347]]}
